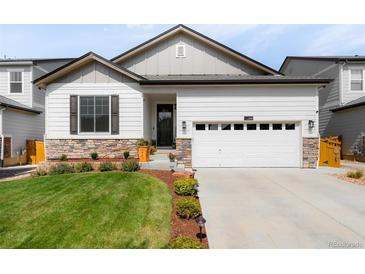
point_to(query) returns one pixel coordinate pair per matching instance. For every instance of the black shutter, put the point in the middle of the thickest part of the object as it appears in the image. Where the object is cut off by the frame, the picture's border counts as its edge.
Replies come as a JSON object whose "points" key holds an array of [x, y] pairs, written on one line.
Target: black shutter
{"points": [[115, 114], [73, 114]]}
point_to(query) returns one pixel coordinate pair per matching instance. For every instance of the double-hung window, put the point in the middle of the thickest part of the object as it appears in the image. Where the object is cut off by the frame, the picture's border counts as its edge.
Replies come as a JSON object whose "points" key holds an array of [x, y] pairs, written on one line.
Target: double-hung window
{"points": [[94, 114], [357, 80], [16, 81]]}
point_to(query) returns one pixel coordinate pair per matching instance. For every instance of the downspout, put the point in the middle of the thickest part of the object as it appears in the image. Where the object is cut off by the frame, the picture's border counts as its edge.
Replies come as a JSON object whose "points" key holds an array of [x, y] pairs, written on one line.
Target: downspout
{"points": [[2, 139]]}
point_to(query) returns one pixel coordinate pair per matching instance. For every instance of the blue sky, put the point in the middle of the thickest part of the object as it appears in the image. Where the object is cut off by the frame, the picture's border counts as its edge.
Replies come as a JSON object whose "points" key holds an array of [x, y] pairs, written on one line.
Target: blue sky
{"points": [[268, 44]]}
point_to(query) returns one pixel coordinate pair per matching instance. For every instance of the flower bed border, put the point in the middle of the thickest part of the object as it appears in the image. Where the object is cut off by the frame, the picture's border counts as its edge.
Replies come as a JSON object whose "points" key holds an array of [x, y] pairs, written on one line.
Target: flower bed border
{"points": [[179, 226]]}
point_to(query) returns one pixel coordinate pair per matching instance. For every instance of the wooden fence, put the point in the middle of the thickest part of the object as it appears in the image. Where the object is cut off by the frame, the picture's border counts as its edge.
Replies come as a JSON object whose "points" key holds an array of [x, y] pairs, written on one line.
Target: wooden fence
{"points": [[330, 151], [35, 151]]}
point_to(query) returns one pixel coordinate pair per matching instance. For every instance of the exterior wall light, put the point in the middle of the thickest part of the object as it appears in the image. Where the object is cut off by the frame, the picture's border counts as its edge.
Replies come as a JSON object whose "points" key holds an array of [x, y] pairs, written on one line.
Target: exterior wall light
{"points": [[311, 124], [184, 125]]}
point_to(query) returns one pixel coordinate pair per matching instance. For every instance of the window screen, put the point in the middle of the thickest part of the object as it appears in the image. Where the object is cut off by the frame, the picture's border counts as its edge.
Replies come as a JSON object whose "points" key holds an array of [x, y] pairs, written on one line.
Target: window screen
{"points": [[16, 82], [356, 79]]}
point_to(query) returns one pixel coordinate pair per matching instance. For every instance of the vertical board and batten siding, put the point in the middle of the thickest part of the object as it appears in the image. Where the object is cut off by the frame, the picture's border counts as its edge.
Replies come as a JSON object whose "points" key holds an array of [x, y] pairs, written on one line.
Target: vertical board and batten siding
{"points": [[21, 126], [270, 103], [25, 97], [347, 94], [58, 108], [200, 58]]}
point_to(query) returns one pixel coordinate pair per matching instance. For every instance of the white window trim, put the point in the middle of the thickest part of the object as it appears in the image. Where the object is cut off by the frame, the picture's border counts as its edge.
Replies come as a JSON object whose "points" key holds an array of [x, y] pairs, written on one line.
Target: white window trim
{"points": [[177, 50], [15, 70], [79, 117], [363, 80]]}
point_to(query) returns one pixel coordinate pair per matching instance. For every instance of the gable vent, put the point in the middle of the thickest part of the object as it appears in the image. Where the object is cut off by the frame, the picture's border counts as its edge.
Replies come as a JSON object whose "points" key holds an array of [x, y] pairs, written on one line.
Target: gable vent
{"points": [[180, 51]]}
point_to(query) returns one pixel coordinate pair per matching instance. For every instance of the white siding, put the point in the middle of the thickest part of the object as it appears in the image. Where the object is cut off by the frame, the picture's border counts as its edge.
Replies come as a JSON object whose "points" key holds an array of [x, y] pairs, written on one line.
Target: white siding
{"points": [[26, 96], [147, 130], [347, 94], [21, 126], [269, 103], [58, 107]]}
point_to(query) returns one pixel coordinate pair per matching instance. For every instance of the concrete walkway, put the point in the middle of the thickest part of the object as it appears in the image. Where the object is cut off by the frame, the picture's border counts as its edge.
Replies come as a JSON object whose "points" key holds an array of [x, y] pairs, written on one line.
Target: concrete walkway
{"points": [[281, 208], [160, 161]]}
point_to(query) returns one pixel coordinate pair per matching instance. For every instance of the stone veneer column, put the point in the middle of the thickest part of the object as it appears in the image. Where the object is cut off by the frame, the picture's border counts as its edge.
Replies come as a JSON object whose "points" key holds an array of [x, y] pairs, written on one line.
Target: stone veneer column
{"points": [[183, 149], [81, 148], [310, 152]]}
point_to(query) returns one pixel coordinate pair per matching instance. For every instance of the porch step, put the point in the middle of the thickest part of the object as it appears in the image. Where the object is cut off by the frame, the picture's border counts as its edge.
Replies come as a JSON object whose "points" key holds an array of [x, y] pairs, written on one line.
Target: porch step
{"points": [[164, 151]]}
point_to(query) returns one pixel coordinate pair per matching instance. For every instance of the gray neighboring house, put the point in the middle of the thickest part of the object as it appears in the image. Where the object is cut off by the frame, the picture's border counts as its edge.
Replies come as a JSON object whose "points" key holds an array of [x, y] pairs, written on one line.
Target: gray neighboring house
{"points": [[342, 102], [22, 104], [220, 107]]}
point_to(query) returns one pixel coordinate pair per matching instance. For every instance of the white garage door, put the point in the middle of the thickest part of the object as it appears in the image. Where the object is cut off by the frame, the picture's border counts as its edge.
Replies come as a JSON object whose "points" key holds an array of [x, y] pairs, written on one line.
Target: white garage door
{"points": [[246, 144]]}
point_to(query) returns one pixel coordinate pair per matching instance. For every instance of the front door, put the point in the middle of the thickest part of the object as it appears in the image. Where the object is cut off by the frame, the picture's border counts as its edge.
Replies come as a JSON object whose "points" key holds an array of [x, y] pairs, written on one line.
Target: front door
{"points": [[165, 125]]}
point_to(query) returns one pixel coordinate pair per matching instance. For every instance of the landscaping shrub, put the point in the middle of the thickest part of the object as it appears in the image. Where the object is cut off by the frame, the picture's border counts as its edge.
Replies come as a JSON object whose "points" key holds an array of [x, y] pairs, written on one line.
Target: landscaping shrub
{"points": [[355, 174], [39, 172], [184, 242], [130, 166], [142, 142], [83, 167], [61, 169], [153, 149], [107, 166], [63, 157], [188, 207], [94, 156], [171, 156], [126, 154], [186, 186]]}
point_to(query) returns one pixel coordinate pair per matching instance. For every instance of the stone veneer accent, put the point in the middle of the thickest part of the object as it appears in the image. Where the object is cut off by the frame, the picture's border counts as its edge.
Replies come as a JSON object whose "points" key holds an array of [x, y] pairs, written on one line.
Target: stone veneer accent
{"points": [[183, 149], [310, 152], [81, 148]]}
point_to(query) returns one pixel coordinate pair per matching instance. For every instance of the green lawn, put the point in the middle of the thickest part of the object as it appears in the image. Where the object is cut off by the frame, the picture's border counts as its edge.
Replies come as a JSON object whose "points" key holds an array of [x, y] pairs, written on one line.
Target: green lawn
{"points": [[87, 210]]}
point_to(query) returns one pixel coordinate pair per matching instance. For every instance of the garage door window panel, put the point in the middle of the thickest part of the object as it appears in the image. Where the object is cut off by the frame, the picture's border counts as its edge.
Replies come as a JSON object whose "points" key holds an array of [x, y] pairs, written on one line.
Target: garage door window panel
{"points": [[289, 126], [226, 126], [238, 126], [264, 126], [213, 126], [251, 126], [277, 126], [200, 127]]}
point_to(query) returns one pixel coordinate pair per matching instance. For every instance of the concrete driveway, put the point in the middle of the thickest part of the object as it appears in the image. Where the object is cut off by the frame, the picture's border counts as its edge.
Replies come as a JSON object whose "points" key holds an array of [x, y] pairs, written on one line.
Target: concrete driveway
{"points": [[281, 208]]}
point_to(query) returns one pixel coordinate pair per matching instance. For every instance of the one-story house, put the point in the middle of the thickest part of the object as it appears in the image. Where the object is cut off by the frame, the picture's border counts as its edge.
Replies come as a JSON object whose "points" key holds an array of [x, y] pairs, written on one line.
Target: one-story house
{"points": [[219, 107]]}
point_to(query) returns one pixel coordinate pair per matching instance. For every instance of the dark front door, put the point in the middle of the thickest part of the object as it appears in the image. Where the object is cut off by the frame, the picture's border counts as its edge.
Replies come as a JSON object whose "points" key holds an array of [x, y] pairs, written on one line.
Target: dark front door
{"points": [[165, 125]]}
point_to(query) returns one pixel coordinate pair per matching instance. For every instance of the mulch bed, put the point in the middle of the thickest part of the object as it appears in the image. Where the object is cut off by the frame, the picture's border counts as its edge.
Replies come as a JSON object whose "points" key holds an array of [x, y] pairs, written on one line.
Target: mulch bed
{"points": [[180, 227], [343, 177]]}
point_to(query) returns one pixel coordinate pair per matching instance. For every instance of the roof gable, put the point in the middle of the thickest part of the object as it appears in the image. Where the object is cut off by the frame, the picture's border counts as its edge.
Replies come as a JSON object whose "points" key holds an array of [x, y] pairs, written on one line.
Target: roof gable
{"points": [[181, 29], [79, 62]]}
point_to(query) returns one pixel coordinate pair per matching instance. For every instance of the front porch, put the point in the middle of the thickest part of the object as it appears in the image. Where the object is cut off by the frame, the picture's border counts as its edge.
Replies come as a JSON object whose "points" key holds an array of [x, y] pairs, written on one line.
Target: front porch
{"points": [[160, 119]]}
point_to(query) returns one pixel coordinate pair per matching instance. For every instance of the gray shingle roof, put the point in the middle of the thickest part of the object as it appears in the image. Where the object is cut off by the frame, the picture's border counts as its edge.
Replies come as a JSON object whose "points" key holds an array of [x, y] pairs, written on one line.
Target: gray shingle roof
{"points": [[7, 102], [355, 103]]}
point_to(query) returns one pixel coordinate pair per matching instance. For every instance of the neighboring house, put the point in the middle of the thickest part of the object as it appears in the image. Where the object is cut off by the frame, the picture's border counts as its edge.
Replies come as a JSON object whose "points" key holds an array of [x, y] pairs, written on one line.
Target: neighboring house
{"points": [[220, 107], [342, 102], [21, 104]]}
